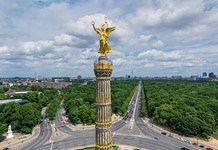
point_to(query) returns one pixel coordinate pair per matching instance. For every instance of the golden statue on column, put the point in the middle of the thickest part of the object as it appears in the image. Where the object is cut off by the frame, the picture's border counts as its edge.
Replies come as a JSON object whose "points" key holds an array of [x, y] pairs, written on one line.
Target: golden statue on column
{"points": [[104, 32]]}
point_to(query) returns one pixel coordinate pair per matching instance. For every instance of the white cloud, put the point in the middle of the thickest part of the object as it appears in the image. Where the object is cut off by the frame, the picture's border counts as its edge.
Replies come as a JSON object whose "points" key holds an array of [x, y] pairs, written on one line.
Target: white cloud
{"points": [[147, 38], [170, 60], [4, 50], [83, 26], [158, 44], [163, 36], [37, 47], [169, 12], [119, 61], [161, 55], [65, 39], [147, 65], [150, 40]]}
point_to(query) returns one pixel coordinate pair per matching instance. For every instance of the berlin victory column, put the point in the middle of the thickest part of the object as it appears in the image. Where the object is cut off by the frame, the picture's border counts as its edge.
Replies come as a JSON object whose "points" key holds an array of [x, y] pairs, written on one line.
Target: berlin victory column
{"points": [[103, 70]]}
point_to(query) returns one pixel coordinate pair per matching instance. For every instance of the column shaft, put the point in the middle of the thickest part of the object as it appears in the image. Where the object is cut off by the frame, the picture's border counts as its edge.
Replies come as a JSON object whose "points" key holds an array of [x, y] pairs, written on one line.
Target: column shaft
{"points": [[103, 70]]}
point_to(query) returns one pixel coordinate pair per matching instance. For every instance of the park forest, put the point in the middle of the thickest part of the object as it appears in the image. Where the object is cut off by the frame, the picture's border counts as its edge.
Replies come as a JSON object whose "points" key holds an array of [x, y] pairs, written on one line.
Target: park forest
{"points": [[186, 107]]}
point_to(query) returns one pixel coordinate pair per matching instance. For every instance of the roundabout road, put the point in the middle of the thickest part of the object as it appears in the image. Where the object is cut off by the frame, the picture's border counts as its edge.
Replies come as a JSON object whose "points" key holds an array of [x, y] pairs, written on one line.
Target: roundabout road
{"points": [[44, 136], [147, 138]]}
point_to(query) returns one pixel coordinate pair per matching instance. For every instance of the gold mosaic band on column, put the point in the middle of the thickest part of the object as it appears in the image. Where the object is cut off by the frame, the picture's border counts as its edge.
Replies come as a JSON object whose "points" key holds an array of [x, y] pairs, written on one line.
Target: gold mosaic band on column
{"points": [[104, 146], [103, 66], [103, 123], [102, 104], [103, 78], [103, 99]]}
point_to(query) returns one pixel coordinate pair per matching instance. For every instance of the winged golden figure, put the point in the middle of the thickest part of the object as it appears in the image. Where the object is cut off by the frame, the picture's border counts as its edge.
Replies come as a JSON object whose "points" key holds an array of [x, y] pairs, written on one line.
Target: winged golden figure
{"points": [[103, 32]]}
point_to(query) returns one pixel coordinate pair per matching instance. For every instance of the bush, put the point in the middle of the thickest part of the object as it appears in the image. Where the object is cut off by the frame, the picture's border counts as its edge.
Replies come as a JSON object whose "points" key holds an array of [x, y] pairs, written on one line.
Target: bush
{"points": [[26, 130]]}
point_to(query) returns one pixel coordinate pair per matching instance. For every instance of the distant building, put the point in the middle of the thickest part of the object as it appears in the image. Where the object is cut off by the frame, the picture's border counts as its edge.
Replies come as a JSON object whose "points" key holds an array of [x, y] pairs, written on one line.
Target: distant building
{"points": [[61, 79], [12, 92], [194, 77], [11, 84], [211, 75], [56, 85], [85, 82], [39, 78], [20, 101], [118, 78], [204, 75], [176, 77]]}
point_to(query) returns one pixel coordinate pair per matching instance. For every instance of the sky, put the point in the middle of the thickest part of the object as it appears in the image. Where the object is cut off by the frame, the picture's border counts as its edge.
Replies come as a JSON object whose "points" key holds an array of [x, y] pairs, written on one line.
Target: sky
{"points": [[152, 37]]}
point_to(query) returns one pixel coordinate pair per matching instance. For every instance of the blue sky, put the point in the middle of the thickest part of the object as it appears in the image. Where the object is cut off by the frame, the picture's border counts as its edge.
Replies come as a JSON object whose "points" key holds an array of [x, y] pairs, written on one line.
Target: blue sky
{"points": [[152, 37]]}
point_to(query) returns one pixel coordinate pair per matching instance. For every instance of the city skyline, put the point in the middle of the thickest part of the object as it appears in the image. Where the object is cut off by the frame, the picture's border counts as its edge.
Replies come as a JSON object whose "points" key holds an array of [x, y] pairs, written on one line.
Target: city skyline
{"points": [[153, 38]]}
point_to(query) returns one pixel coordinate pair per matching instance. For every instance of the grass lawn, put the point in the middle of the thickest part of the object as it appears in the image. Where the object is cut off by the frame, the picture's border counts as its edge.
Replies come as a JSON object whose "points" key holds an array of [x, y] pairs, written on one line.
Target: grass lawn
{"points": [[93, 148]]}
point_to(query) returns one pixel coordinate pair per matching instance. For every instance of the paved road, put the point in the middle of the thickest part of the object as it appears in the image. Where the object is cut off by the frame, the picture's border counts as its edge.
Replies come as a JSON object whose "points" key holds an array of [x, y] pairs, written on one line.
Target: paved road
{"points": [[44, 136], [45, 128], [141, 136], [118, 139], [62, 125]]}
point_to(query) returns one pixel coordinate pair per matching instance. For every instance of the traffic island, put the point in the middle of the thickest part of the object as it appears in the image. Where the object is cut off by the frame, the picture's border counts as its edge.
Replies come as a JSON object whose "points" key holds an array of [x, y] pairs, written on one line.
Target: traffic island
{"points": [[115, 147], [93, 148]]}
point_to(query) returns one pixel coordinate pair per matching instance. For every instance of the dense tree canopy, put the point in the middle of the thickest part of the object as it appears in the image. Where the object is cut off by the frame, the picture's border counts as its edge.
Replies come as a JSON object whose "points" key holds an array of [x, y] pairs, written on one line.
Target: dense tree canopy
{"points": [[80, 100], [121, 94], [52, 108], [186, 106], [3, 129], [24, 117], [143, 104], [2, 91], [21, 117]]}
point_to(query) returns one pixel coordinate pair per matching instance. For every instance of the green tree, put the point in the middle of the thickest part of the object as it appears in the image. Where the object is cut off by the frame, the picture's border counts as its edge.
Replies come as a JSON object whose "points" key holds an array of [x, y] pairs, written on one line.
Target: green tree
{"points": [[3, 129]]}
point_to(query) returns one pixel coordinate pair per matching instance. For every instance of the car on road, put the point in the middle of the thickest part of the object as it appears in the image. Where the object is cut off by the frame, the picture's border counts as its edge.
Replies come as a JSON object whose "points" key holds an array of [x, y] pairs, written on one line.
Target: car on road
{"points": [[40, 121], [195, 144], [201, 146], [184, 148], [156, 138], [189, 142], [6, 148], [209, 148], [164, 133]]}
